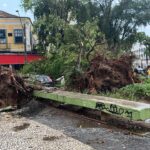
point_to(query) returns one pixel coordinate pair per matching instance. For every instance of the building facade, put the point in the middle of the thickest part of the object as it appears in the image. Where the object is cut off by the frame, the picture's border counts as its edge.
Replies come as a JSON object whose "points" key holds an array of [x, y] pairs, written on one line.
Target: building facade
{"points": [[141, 59], [16, 40], [15, 33]]}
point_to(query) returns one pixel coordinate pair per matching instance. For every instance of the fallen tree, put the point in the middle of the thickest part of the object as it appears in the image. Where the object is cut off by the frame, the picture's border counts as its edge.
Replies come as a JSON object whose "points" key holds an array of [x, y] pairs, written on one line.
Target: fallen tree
{"points": [[13, 91], [104, 75]]}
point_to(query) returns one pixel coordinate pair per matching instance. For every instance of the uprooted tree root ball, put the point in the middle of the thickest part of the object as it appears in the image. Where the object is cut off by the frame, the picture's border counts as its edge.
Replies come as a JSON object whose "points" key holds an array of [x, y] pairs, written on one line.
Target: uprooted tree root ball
{"points": [[13, 91], [104, 75]]}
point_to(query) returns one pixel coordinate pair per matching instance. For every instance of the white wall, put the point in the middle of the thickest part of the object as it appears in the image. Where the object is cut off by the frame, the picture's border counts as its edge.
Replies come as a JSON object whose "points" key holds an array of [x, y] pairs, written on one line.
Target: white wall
{"points": [[139, 51]]}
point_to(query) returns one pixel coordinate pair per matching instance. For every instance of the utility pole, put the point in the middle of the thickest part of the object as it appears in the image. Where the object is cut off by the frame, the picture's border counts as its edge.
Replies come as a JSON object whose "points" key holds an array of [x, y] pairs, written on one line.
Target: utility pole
{"points": [[24, 37]]}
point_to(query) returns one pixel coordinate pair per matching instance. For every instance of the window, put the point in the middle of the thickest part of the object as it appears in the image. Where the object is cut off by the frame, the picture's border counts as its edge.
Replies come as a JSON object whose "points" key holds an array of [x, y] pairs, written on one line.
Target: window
{"points": [[9, 34], [18, 35], [2, 36]]}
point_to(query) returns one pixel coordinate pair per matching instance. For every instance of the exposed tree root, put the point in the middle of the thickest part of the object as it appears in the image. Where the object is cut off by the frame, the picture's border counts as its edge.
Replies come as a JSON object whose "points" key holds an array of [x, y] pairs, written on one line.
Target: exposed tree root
{"points": [[104, 75], [13, 91]]}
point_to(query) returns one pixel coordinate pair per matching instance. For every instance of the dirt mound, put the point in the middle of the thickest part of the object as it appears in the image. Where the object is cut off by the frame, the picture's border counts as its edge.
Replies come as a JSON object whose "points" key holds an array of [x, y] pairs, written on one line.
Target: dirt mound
{"points": [[13, 91], [105, 74]]}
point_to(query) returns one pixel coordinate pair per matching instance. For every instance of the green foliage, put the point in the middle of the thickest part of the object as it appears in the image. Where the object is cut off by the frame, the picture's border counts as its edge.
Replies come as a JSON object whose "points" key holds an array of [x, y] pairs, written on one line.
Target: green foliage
{"points": [[147, 81], [53, 68], [69, 74], [140, 91], [118, 21], [71, 43], [69, 31], [28, 68], [49, 30], [56, 34]]}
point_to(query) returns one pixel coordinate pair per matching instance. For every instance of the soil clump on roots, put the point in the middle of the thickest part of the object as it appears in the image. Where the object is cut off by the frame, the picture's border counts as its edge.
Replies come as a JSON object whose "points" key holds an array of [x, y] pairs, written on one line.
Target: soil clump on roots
{"points": [[13, 90], [104, 74]]}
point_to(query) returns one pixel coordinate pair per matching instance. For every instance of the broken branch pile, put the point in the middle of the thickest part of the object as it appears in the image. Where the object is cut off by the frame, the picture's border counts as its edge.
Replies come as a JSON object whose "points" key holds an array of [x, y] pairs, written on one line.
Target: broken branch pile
{"points": [[105, 75], [13, 91]]}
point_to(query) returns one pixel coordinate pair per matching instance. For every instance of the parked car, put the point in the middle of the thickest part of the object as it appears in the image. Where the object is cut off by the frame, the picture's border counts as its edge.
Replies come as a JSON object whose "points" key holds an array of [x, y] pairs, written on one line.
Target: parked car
{"points": [[44, 80], [139, 70]]}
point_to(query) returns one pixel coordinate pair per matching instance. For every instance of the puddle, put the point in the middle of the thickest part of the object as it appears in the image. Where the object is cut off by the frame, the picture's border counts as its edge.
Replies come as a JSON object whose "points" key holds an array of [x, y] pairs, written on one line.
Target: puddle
{"points": [[51, 138], [21, 127], [95, 141]]}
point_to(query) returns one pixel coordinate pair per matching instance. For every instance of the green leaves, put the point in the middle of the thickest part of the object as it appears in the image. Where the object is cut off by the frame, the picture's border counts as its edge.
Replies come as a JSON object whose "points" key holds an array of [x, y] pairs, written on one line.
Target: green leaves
{"points": [[74, 29], [118, 21], [136, 92]]}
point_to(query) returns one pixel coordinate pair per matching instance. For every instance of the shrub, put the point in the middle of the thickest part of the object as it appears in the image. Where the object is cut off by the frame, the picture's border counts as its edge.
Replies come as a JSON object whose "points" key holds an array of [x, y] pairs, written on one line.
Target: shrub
{"points": [[147, 81], [133, 92], [54, 68]]}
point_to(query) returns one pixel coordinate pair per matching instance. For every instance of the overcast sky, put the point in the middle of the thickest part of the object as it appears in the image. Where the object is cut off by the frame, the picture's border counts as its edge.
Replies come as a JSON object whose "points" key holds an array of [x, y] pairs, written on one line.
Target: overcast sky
{"points": [[11, 6]]}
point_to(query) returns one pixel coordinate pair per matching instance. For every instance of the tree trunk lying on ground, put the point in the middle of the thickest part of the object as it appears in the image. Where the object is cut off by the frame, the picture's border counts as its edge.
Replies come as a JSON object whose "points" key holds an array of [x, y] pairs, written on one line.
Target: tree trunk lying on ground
{"points": [[104, 75], [13, 91]]}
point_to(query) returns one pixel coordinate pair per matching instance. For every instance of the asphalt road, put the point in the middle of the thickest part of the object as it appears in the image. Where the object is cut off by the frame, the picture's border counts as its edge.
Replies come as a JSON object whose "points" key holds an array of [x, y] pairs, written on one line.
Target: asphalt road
{"points": [[47, 128]]}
